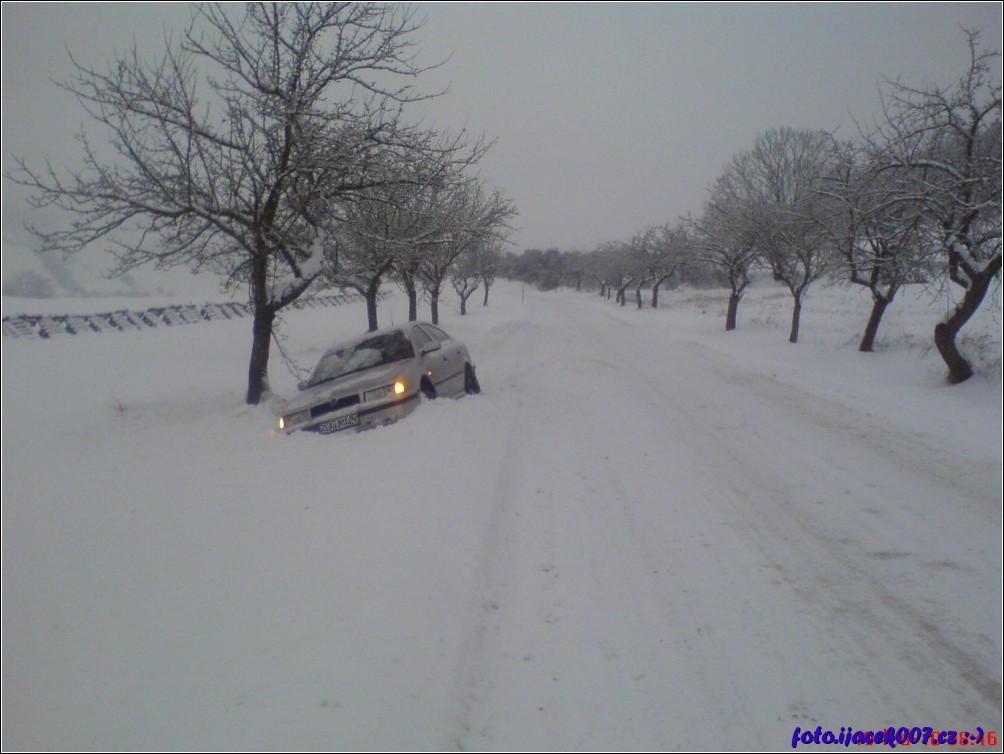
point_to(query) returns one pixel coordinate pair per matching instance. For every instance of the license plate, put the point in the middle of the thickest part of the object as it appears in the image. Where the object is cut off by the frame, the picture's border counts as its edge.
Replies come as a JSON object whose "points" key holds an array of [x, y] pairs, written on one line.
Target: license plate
{"points": [[336, 425]]}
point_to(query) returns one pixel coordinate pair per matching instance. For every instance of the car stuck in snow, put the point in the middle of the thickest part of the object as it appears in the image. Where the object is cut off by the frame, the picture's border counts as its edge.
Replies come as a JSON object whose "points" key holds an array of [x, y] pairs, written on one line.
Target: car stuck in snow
{"points": [[379, 378]]}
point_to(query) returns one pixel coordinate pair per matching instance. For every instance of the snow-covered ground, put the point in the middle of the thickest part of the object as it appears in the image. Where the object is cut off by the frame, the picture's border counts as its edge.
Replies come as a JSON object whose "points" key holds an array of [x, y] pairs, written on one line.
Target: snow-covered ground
{"points": [[646, 533]]}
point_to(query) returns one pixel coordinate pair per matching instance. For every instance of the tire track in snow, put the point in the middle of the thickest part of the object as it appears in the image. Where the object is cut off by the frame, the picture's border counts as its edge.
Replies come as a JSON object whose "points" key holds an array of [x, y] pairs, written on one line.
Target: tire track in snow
{"points": [[609, 614], [470, 675], [568, 643], [966, 484], [951, 680]]}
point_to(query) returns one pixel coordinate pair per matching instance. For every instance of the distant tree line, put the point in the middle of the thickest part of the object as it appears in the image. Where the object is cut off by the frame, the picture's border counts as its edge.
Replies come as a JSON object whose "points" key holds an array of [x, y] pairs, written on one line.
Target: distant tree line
{"points": [[916, 198]]}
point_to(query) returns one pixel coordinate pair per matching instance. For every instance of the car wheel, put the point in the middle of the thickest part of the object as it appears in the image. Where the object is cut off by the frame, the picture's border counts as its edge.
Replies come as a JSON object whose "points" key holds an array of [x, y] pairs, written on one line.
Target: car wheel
{"points": [[428, 390], [471, 384]]}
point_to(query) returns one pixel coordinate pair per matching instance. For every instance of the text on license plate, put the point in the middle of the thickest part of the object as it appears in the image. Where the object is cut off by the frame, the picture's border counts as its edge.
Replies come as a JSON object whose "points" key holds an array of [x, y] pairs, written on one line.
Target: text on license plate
{"points": [[336, 425]]}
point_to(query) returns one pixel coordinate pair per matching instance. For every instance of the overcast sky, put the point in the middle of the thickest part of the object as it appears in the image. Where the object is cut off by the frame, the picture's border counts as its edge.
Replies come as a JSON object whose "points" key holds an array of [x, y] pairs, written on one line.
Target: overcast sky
{"points": [[609, 118]]}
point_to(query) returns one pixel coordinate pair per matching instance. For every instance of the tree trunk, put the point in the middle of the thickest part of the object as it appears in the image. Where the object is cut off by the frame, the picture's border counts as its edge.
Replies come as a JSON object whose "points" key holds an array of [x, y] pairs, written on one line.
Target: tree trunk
{"points": [[412, 291], [637, 295], [796, 315], [260, 343], [655, 289], [879, 304], [434, 303], [959, 368], [487, 286], [732, 313], [261, 327], [371, 295]]}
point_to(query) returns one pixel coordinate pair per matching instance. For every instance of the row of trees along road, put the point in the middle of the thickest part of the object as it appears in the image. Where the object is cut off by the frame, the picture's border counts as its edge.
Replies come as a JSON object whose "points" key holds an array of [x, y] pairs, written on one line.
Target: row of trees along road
{"points": [[269, 146], [916, 198]]}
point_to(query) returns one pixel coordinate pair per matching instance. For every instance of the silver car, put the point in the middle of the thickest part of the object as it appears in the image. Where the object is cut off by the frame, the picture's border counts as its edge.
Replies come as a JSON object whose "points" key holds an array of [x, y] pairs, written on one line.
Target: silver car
{"points": [[379, 378]]}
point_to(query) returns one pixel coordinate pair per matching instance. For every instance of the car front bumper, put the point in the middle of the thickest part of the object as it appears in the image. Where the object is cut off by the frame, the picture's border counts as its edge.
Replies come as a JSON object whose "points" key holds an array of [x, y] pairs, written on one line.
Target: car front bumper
{"points": [[361, 416]]}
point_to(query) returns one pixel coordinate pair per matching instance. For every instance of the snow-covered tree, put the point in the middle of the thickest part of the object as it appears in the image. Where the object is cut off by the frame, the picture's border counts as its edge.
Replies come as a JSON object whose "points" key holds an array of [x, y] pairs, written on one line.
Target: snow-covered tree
{"points": [[367, 243], [465, 276], [723, 238], [469, 214], [617, 268], [233, 147], [945, 145], [875, 229], [488, 258], [780, 178], [657, 254]]}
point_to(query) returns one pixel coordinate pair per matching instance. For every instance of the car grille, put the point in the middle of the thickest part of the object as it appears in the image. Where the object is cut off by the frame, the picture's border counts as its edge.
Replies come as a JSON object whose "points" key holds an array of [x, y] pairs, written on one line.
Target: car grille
{"points": [[335, 405]]}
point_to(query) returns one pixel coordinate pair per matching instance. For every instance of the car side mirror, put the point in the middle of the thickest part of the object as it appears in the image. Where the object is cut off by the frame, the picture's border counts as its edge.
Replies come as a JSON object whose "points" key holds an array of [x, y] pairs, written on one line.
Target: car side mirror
{"points": [[431, 347]]}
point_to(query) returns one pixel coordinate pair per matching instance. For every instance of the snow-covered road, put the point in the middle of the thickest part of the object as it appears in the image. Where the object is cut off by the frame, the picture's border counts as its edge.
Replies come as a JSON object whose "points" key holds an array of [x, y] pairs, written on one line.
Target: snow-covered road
{"points": [[683, 551], [640, 536]]}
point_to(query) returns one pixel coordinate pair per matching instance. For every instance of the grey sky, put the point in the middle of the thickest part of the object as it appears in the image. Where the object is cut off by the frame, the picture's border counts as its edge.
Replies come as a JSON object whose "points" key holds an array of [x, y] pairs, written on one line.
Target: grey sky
{"points": [[609, 118]]}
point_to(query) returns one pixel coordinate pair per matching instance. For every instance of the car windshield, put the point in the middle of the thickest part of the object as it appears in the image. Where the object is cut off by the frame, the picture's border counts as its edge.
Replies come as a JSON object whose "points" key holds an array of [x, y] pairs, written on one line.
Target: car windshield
{"points": [[372, 352]]}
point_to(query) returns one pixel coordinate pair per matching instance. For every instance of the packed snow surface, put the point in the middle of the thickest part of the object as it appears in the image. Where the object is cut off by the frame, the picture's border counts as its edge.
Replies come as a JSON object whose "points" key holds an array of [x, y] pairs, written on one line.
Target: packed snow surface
{"points": [[645, 533]]}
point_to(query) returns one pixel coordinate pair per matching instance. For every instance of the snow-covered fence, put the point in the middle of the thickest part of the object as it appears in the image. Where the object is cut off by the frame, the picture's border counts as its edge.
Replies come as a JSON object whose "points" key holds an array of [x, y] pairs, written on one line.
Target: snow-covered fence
{"points": [[49, 325]]}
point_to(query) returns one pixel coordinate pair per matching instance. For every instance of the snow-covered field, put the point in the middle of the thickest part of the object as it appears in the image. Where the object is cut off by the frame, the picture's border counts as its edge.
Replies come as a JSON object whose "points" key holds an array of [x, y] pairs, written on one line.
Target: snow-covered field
{"points": [[646, 533]]}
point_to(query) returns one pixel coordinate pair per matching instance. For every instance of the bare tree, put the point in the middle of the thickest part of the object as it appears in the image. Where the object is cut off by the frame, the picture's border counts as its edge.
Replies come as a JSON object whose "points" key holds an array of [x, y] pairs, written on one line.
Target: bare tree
{"points": [[465, 275], [233, 147], [874, 225], [641, 251], [657, 252], [616, 267], [425, 227], [720, 240], [406, 269], [489, 257], [576, 268], [670, 257], [724, 236], [596, 267], [366, 245], [468, 215], [945, 144], [780, 176]]}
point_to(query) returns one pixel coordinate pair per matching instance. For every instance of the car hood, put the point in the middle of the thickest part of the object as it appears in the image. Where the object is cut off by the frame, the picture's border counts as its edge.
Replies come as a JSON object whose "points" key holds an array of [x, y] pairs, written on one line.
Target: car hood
{"points": [[350, 384]]}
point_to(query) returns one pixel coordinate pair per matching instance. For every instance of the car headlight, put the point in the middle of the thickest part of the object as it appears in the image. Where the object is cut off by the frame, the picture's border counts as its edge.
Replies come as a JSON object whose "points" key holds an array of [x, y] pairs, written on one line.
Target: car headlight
{"points": [[287, 422], [387, 391]]}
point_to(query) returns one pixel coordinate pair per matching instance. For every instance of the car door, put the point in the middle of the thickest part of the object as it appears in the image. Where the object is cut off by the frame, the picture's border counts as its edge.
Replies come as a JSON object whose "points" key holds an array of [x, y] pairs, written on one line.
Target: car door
{"points": [[446, 363]]}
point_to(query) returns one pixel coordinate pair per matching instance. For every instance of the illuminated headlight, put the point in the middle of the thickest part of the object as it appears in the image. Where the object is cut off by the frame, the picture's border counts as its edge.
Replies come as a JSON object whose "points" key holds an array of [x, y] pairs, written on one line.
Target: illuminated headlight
{"points": [[387, 391], [286, 422]]}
